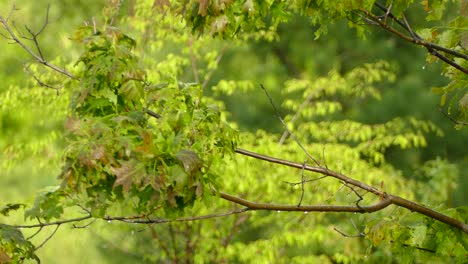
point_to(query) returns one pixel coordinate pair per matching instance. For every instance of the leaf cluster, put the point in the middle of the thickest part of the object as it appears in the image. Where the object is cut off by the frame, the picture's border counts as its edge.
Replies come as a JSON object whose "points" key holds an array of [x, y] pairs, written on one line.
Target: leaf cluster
{"points": [[131, 140]]}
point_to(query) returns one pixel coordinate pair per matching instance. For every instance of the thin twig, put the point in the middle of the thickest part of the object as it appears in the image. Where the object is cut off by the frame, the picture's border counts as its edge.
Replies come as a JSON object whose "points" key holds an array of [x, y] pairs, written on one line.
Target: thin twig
{"points": [[345, 235], [287, 128], [185, 219], [302, 186], [83, 208], [34, 36], [388, 11], [60, 222], [408, 27], [188, 242], [141, 219], [360, 198], [84, 226], [296, 115], [323, 157], [38, 58], [48, 238], [41, 83], [13, 9], [452, 119], [210, 74], [311, 180], [333, 194], [35, 233]]}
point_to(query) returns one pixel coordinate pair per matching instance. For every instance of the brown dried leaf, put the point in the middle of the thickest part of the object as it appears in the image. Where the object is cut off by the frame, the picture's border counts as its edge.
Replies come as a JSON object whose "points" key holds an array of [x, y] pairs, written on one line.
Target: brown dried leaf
{"points": [[189, 160], [126, 174]]}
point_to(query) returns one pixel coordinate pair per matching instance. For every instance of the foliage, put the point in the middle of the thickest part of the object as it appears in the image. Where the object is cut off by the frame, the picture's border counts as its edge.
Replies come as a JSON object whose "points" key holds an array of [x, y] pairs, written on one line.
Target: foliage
{"points": [[14, 247], [148, 137], [116, 152], [233, 18]]}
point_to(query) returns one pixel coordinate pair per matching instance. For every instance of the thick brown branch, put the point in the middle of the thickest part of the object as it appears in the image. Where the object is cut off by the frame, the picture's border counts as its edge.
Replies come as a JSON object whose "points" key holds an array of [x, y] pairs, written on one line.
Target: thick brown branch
{"points": [[320, 170], [387, 198], [305, 208], [412, 206]]}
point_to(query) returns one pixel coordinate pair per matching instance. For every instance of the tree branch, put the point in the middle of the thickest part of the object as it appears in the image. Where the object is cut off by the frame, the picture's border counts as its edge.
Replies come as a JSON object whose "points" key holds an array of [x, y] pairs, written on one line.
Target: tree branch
{"points": [[41, 83], [452, 119], [296, 115], [48, 238], [387, 199], [38, 57], [135, 219], [431, 47], [287, 128], [404, 24], [210, 73], [320, 170], [305, 208], [60, 222]]}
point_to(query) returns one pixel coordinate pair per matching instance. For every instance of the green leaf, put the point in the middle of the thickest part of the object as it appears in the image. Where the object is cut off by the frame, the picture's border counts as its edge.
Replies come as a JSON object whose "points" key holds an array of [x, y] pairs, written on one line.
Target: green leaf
{"points": [[47, 204], [128, 172], [14, 247], [418, 235], [132, 90], [107, 94], [5, 210], [443, 99]]}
